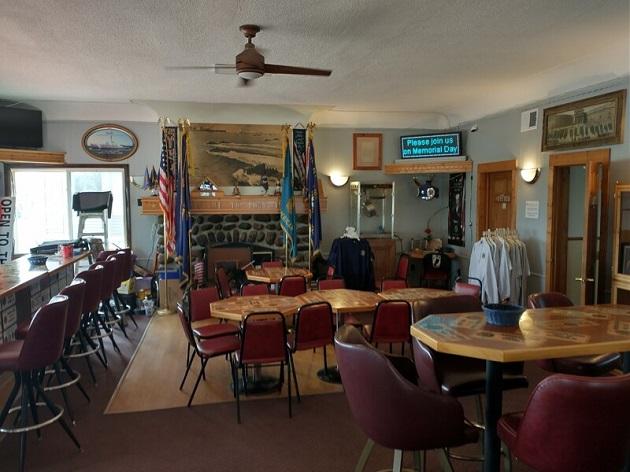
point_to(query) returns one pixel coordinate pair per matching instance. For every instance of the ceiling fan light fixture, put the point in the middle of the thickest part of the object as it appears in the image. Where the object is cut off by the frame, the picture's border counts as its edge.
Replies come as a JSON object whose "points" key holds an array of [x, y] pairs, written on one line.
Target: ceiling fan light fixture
{"points": [[249, 74]]}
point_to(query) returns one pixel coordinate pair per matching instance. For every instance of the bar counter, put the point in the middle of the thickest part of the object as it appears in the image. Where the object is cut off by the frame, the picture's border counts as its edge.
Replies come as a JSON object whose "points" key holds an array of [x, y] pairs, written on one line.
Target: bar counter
{"points": [[24, 288]]}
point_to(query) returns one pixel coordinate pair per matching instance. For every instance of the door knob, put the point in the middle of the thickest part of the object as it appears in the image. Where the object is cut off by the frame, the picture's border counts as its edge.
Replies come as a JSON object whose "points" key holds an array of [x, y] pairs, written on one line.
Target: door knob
{"points": [[579, 279]]}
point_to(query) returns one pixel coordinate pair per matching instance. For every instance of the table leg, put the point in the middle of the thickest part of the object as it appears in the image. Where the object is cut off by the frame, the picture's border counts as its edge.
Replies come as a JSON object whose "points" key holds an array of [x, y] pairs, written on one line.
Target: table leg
{"points": [[494, 399], [626, 370]]}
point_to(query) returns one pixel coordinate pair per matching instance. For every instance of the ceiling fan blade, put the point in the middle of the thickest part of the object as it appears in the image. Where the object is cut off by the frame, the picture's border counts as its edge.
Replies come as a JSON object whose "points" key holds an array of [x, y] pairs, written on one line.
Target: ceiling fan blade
{"points": [[279, 69], [215, 67]]}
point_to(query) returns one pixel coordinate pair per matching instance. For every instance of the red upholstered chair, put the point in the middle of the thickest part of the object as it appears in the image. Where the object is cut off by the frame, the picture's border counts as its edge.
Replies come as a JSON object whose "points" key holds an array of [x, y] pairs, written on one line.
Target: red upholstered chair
{"points": [[389, 284], [223, 282], [249, 289], [389, 406], [292, 285], [391, 323], [263, 342], [402, 269], [269, 264], [572, 423], [436, 270], [42, 347], [205, 349], [466, 288], [200, 300], [314, 327], [595, 365], [331, 284]]}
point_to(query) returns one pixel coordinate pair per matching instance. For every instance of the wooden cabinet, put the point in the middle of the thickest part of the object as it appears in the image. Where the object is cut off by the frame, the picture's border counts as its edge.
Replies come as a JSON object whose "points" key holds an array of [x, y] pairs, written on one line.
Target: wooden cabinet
{"points": [[384, 250], [621, 246]]}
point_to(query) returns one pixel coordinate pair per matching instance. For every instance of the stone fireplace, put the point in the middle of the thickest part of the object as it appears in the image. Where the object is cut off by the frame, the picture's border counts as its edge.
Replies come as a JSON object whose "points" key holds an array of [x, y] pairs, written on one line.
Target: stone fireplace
{"points": [[260, 231]]}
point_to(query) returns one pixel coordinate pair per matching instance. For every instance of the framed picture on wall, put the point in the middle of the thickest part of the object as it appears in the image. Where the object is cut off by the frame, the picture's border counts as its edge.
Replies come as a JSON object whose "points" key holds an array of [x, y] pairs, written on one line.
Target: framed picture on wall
{"points": [[109, 142], [367, 151], [595, 121]]}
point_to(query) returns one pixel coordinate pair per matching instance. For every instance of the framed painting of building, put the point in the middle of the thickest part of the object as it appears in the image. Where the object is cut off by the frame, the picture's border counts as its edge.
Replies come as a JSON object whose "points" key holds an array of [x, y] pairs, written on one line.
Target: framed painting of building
{"points": [[595, 121]]}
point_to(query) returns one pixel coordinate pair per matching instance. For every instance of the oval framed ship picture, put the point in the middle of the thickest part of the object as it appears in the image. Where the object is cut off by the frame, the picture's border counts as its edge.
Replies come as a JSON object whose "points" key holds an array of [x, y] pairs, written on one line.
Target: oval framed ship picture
{"points": [[109, 142]]}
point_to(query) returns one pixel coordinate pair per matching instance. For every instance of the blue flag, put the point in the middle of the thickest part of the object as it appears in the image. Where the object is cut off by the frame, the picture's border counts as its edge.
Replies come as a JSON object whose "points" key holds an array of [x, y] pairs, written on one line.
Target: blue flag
{"points": [[184, 220], [287, 204], [312, 192]]}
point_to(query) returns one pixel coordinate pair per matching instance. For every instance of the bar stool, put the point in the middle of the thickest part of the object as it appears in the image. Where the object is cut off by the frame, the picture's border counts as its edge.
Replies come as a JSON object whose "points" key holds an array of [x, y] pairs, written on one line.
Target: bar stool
{"points": [[42, 346], [75, 293], [126, 271], [84, 340], [102, 317]]}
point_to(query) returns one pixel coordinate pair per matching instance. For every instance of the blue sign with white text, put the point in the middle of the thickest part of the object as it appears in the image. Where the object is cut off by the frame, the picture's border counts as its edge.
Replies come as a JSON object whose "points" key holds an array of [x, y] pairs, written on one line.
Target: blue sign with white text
{"points": [[430, 145]]}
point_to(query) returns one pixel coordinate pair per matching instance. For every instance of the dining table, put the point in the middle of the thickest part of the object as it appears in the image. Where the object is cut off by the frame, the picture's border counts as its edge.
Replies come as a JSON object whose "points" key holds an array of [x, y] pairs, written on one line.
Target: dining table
{"points": [[273, 275], [540, 334], [342, 300], [415, 295]]}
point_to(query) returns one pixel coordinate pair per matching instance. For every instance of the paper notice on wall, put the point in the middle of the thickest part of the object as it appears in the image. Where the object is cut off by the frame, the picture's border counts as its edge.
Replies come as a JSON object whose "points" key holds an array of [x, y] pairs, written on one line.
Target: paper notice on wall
{"points": [[532, 209], [7, 218]]}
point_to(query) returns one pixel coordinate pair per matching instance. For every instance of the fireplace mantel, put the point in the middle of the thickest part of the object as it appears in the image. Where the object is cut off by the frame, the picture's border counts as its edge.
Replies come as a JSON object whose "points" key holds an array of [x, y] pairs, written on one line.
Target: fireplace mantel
{"points": [[231, 204]]}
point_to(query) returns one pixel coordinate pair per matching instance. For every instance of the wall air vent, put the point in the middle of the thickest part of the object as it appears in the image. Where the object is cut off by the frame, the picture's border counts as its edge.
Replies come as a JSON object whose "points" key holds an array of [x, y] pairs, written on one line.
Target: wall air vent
{"points": [[529, 120]]}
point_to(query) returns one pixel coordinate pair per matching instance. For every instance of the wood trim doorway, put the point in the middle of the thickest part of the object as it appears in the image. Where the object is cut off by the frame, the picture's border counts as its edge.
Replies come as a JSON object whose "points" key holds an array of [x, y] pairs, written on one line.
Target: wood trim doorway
{"points": [[484, 174], [594, 246]]}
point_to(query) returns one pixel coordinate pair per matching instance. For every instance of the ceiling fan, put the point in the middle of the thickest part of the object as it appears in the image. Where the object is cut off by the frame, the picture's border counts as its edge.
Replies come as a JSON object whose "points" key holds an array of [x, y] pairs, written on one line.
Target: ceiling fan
{"points": [[250, 63]]}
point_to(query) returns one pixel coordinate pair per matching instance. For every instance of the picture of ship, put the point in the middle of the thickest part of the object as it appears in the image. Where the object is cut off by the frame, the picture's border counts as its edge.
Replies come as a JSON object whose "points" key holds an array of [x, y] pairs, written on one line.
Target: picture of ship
{"points": [[110, 142]]}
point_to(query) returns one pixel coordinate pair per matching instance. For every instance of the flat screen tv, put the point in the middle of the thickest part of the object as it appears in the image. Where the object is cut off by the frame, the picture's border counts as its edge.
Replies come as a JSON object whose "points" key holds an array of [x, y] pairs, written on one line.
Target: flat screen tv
{"points": [[431, 146], [20, 128]]}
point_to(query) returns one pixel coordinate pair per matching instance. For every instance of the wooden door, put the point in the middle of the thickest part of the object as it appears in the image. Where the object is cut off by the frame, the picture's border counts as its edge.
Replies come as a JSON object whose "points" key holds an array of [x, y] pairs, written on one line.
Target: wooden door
{"points": [[499, 200], [594, 244], [384, 250], [496, 196]]}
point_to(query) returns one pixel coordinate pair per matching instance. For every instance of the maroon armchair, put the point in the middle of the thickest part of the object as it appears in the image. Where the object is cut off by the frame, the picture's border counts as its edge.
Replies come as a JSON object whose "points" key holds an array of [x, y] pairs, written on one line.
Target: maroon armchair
{"points": [[314, 327], [205, 349], [454, 375], [41, 347], [572, 423], [263, 342], [391, 323], [594, 365], [416, 420], [292, 285]]}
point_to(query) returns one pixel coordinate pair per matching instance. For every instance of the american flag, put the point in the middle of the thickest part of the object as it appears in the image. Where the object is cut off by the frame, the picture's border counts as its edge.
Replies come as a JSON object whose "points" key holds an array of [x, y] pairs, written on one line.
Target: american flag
{"points": [[166, 186]]}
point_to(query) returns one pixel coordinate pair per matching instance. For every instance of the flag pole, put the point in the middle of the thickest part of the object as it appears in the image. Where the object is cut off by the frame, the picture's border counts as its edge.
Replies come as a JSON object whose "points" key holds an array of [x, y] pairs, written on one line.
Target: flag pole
{"points": [[165, 310]]}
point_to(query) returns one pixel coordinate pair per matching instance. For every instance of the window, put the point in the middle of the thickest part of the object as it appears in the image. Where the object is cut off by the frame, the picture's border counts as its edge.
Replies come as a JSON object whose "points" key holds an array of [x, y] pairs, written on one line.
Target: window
{"points": [[43, 200]]}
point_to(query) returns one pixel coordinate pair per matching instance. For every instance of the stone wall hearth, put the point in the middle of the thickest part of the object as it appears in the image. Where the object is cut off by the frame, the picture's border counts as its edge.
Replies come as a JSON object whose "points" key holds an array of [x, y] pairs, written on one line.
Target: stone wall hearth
{"points": [[260, 230]]}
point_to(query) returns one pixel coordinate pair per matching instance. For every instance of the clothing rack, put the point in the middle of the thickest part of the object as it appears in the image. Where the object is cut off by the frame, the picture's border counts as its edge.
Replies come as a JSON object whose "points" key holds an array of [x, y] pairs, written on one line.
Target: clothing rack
{"points": [[499, 259]]}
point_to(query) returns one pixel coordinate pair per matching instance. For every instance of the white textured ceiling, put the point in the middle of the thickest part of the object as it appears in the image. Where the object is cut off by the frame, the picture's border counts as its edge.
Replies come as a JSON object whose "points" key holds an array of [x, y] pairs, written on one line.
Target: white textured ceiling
{"points": [[464, 59]]}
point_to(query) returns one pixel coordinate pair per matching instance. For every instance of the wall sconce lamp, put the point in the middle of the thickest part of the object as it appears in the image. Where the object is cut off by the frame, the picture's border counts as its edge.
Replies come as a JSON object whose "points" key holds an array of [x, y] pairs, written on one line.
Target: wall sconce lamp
{"points": [[338, 180], [530, 175]]}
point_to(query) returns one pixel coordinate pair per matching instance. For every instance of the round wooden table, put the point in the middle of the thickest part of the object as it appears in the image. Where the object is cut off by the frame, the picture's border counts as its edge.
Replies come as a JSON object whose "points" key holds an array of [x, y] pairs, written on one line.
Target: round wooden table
{"points": [[273, 275], [415, 296], [236, 308], [342, 300]]}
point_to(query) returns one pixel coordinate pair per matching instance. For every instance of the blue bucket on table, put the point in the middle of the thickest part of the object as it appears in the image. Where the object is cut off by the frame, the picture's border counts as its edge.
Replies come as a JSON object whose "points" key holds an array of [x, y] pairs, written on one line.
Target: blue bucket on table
{"points": [[499, 314]]}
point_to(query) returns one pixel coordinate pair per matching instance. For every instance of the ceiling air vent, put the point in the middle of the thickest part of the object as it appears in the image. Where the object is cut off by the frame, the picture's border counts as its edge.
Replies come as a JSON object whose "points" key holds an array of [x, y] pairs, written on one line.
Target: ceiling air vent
{"points": [[529, 120]]}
